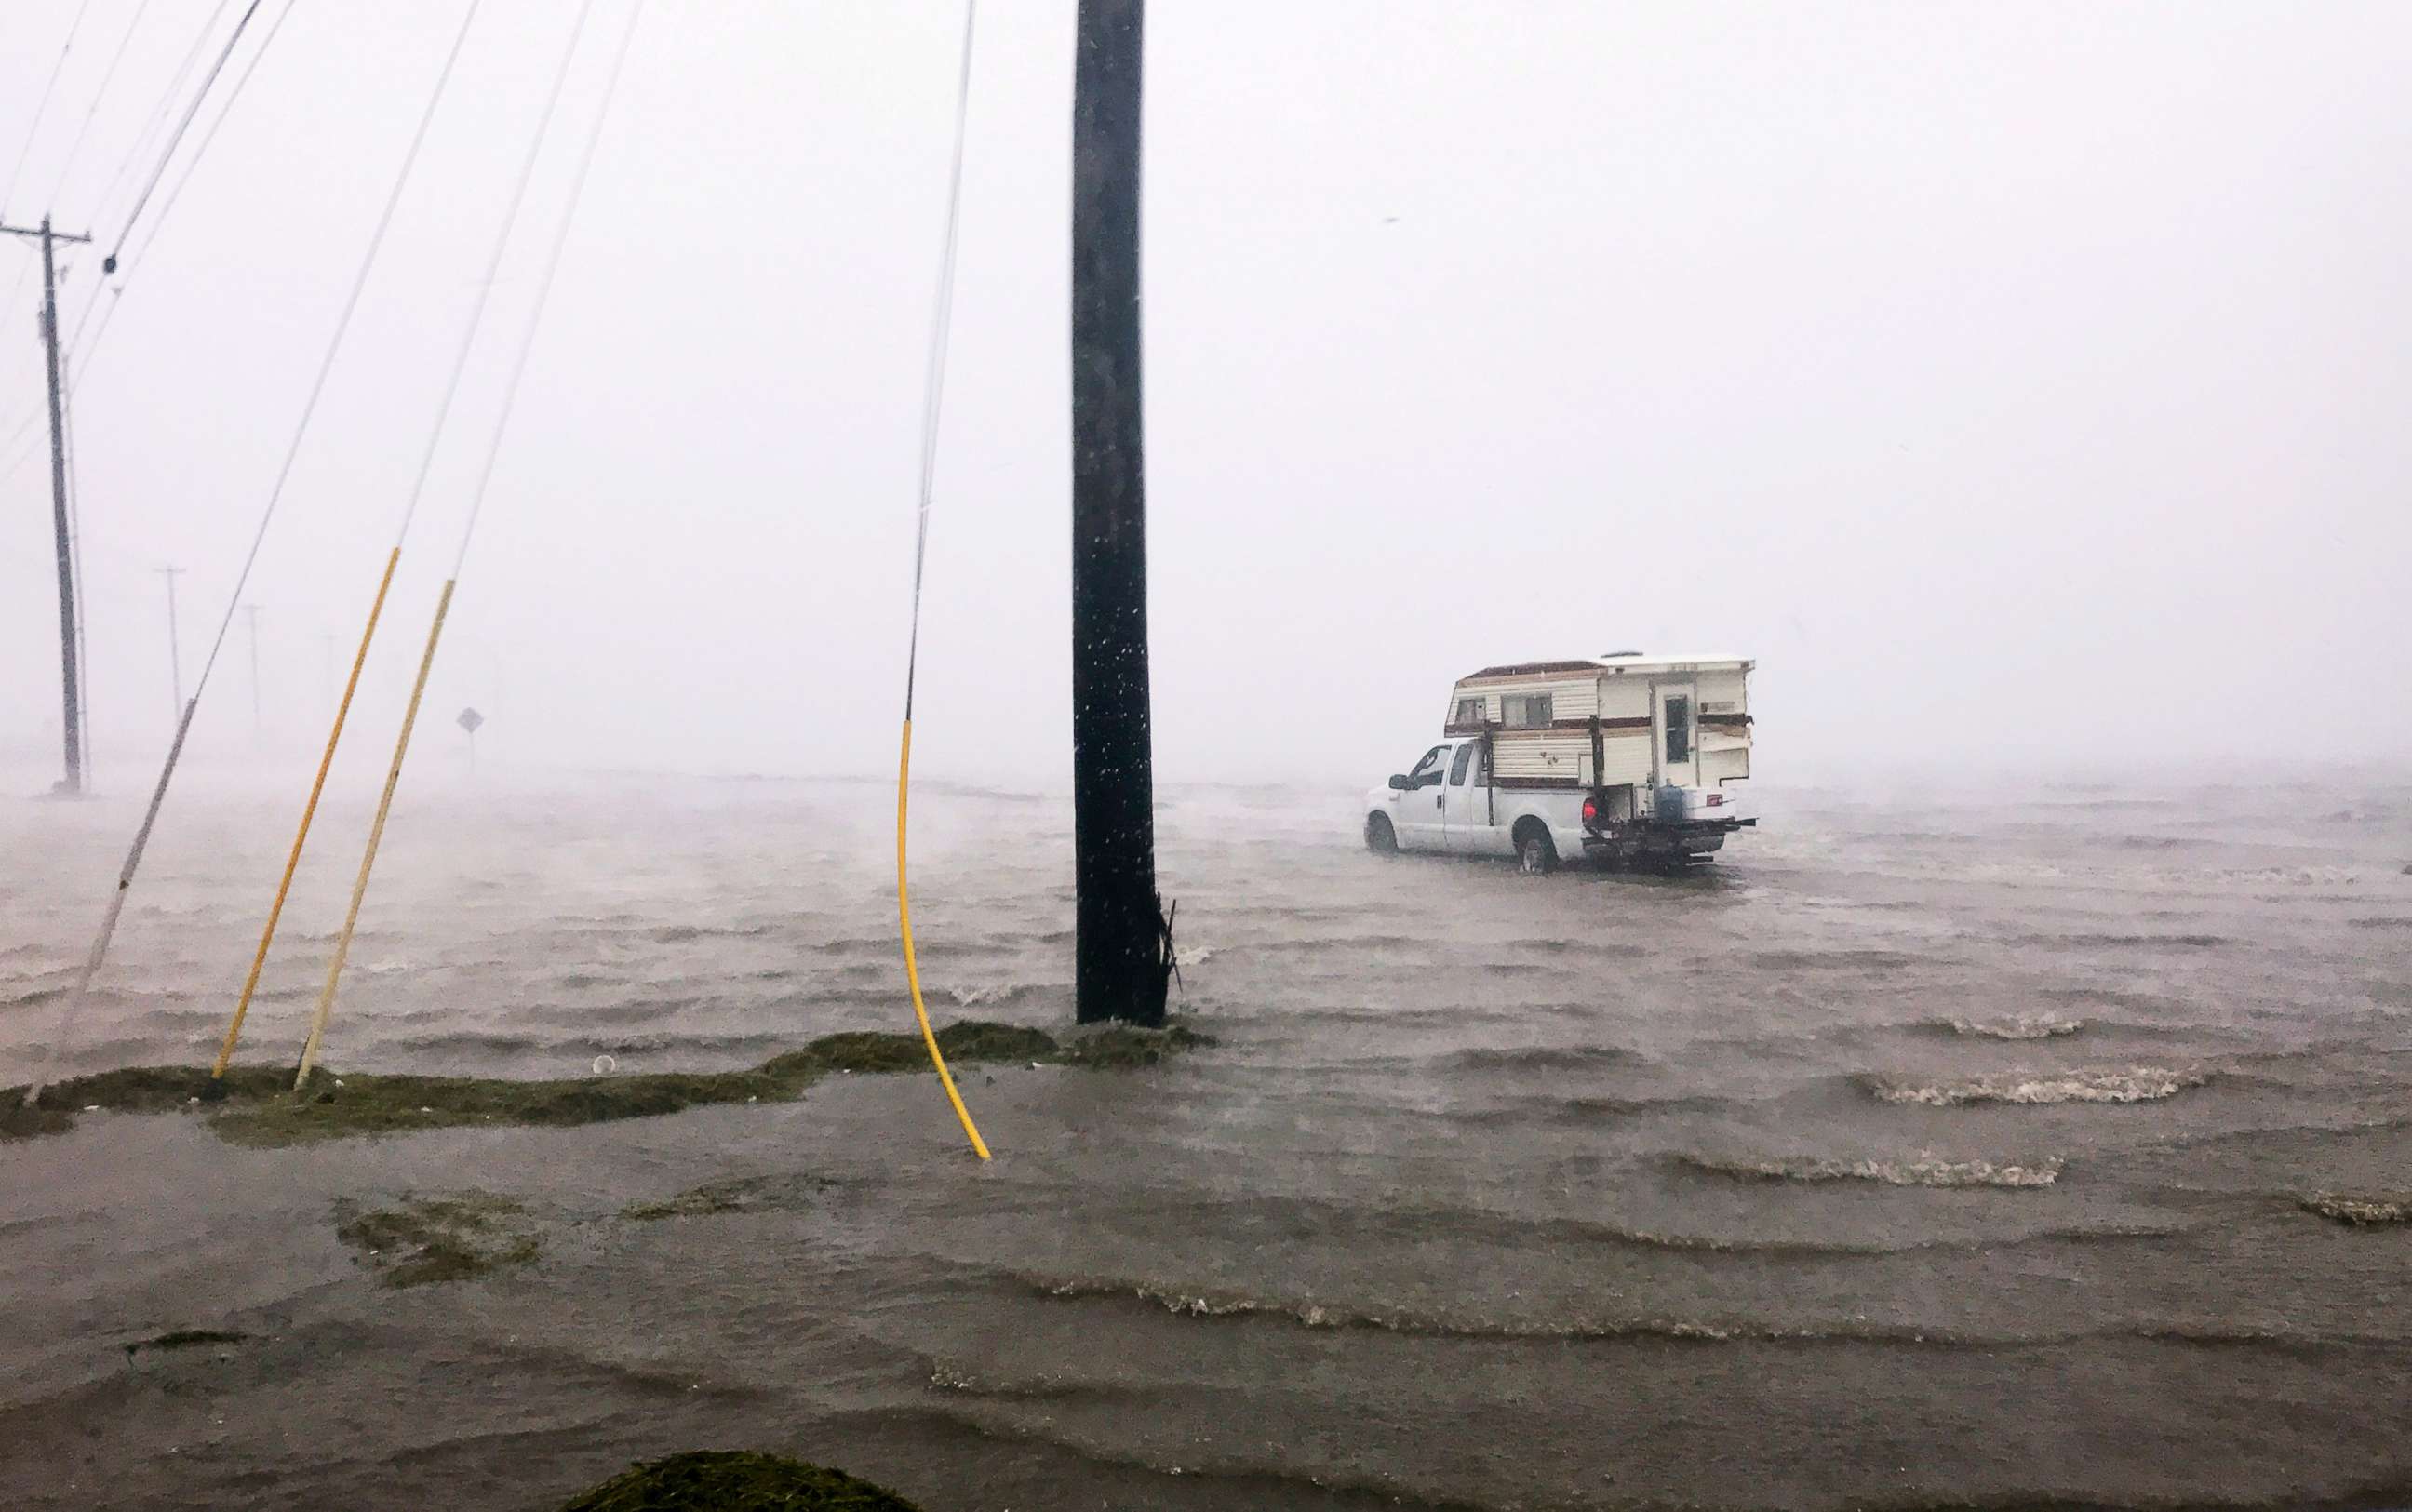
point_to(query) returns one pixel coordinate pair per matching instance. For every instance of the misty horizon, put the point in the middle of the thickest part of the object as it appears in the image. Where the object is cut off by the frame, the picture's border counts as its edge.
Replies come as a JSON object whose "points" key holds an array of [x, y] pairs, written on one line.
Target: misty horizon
{"points": [[2020, 389]]}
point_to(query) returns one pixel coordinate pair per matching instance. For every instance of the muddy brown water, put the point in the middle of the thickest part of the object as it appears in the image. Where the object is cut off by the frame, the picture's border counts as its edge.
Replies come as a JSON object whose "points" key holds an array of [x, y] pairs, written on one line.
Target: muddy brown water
{"points": [[1943, 1149]]}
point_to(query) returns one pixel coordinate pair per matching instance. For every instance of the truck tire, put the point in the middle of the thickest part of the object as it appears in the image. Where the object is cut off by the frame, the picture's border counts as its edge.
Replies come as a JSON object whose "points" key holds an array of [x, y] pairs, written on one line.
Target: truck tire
{"points": [[1379, 836], [1535, 852]]}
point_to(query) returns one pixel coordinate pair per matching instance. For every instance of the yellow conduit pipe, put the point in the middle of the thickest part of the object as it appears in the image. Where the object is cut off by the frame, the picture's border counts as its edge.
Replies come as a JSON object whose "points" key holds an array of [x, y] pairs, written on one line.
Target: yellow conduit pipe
{"points": [[912, 970], [377, 833], [309, 811]]}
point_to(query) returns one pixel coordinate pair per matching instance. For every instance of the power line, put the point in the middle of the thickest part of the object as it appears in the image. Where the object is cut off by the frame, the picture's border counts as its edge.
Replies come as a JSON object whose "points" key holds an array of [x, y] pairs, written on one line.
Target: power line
{"points": [[941, 327], [74, 998], [494, 263], [98, 94], [33, 132], [108, 263], [443, 598], [376, 608], [193, 162], [82, 353], [544, 281], [158, 117], [160, 112]]}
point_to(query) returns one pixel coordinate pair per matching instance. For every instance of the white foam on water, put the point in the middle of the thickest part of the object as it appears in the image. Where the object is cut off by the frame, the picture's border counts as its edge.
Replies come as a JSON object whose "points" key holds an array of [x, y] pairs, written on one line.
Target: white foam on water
{"points": [[2139, 1084]]}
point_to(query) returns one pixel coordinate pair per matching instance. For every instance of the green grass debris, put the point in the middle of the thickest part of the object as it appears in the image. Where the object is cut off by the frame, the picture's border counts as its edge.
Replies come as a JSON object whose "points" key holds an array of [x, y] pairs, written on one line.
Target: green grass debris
{"points": [[723, 1480], [186, 1339], [251, 1105], [1119, 1046], [423, 1239], [743, 1193], [2366, 1211]]}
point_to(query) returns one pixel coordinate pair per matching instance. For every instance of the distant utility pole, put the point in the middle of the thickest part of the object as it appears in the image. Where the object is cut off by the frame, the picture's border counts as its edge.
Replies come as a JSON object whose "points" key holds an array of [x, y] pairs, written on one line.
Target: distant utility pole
{"points": [[251, 623], [175, 656], [1123, 946], [70, 657]]}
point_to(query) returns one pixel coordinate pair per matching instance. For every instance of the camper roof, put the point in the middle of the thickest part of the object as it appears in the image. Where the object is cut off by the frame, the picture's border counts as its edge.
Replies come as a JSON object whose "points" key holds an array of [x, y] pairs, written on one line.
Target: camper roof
{"points": [[1623, 661]]}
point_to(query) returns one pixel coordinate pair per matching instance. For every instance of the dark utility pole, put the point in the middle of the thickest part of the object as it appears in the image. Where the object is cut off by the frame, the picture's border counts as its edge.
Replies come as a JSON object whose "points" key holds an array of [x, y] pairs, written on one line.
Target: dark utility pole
{"points": [[71, 662], [1125, 948]]}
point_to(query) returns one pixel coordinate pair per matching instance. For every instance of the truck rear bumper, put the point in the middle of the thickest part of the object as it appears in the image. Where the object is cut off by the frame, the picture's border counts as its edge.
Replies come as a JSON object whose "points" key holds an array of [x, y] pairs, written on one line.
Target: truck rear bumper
{"points": [[1660, 842]]}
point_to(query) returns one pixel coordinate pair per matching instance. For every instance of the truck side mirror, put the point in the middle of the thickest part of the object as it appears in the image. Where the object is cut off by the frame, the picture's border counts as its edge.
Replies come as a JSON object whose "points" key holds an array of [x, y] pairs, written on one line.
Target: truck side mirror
{"points": [[1399, 783]]}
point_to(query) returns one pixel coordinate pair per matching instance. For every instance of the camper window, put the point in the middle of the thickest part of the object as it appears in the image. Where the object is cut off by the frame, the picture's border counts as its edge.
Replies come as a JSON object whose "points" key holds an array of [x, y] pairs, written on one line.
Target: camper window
{"points": [[1528, 710], [1465, 759], [1678, 727], [1469, 711]]}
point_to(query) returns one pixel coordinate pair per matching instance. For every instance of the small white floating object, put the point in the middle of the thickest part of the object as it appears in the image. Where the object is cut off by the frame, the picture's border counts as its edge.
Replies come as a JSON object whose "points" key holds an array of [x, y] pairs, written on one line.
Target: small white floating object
{"points": [[427, 1110], [92, 1108], [605, 1065], [191, 1100]]}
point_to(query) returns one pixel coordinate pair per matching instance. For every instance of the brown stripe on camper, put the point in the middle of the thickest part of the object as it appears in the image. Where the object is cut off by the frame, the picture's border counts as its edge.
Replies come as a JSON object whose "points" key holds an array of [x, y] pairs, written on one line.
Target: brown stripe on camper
{"points": [[1724, 722], [1530, 670], [1556, 726]]}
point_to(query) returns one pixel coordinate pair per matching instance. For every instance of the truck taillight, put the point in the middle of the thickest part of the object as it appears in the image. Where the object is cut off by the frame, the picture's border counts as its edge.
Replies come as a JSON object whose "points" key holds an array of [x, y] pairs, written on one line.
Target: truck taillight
{"points": [[1591, 811]]}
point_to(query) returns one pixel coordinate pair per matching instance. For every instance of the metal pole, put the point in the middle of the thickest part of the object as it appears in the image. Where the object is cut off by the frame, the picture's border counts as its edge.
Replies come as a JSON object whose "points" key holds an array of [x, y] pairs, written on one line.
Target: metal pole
{"points": [[1123, 945], [175, 656]]}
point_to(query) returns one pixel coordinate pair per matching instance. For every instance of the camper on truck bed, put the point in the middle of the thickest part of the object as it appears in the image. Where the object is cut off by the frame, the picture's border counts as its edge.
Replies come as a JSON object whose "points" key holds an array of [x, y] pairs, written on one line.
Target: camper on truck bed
{"points": [[1626, 758]]}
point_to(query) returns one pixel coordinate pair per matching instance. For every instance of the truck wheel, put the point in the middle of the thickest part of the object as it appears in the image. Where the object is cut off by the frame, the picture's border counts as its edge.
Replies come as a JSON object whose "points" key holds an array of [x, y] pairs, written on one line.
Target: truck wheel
{"points": [[1379, 836], [1535, 853]]}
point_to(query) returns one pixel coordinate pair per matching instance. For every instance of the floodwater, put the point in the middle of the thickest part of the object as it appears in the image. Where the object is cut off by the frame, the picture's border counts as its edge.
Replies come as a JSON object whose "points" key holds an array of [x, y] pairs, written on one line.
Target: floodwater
{"points": [[1939, 1150]]}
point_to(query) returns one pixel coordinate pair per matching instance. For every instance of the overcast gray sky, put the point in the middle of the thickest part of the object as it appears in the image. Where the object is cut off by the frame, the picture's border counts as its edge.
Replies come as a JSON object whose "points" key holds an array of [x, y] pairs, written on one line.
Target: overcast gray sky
{"points": [[2021, 384]]}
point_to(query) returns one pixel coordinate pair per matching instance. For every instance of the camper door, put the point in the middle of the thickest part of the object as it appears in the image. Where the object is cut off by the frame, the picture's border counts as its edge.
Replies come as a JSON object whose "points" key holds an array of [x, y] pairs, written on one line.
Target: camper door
{"points": [[1674, 723]]}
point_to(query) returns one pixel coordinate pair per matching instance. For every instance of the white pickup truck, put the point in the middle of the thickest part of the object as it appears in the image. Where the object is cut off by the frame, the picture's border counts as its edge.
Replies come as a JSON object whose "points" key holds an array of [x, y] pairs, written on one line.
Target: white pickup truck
{"points": [[1624, 760]]}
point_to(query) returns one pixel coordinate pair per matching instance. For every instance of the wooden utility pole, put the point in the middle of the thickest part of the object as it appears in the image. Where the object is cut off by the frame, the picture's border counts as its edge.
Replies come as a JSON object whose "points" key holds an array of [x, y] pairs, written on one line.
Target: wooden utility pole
{"points": [[1125, 943], [70, 657]]}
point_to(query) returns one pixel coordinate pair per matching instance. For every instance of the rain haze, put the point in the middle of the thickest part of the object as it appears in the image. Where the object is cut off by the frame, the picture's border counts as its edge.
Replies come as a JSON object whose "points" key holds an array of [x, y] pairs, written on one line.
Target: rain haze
{"points": [[1930, 1029], [2023, 386]]}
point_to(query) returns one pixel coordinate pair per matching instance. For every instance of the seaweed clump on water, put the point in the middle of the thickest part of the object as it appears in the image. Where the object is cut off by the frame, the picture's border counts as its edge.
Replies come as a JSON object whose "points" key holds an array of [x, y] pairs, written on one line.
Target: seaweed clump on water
{"points": [[2361, 1211], [333, 1108], [743, 1194], [1120, 1045], [18, 1121], [186, 1339], [253, 1106], [879, 1051], [723, 1480], [137, 1088], [425, 1240]]}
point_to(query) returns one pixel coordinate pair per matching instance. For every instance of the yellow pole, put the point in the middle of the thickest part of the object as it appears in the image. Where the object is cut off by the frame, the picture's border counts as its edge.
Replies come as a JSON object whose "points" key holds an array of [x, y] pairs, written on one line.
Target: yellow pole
{"points": [[912, 971], [309, 811], [377, 832]]}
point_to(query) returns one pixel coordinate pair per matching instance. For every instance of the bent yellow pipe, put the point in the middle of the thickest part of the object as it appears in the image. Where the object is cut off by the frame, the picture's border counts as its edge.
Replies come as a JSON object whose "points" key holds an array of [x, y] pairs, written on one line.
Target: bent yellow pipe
{"points": [[309, 811], [912, 970]]}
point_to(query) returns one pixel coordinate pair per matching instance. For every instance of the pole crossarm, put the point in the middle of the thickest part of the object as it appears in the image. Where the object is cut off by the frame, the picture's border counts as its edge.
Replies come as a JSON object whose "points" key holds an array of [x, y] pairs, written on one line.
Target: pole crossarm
{"points": [[37, 231]]}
